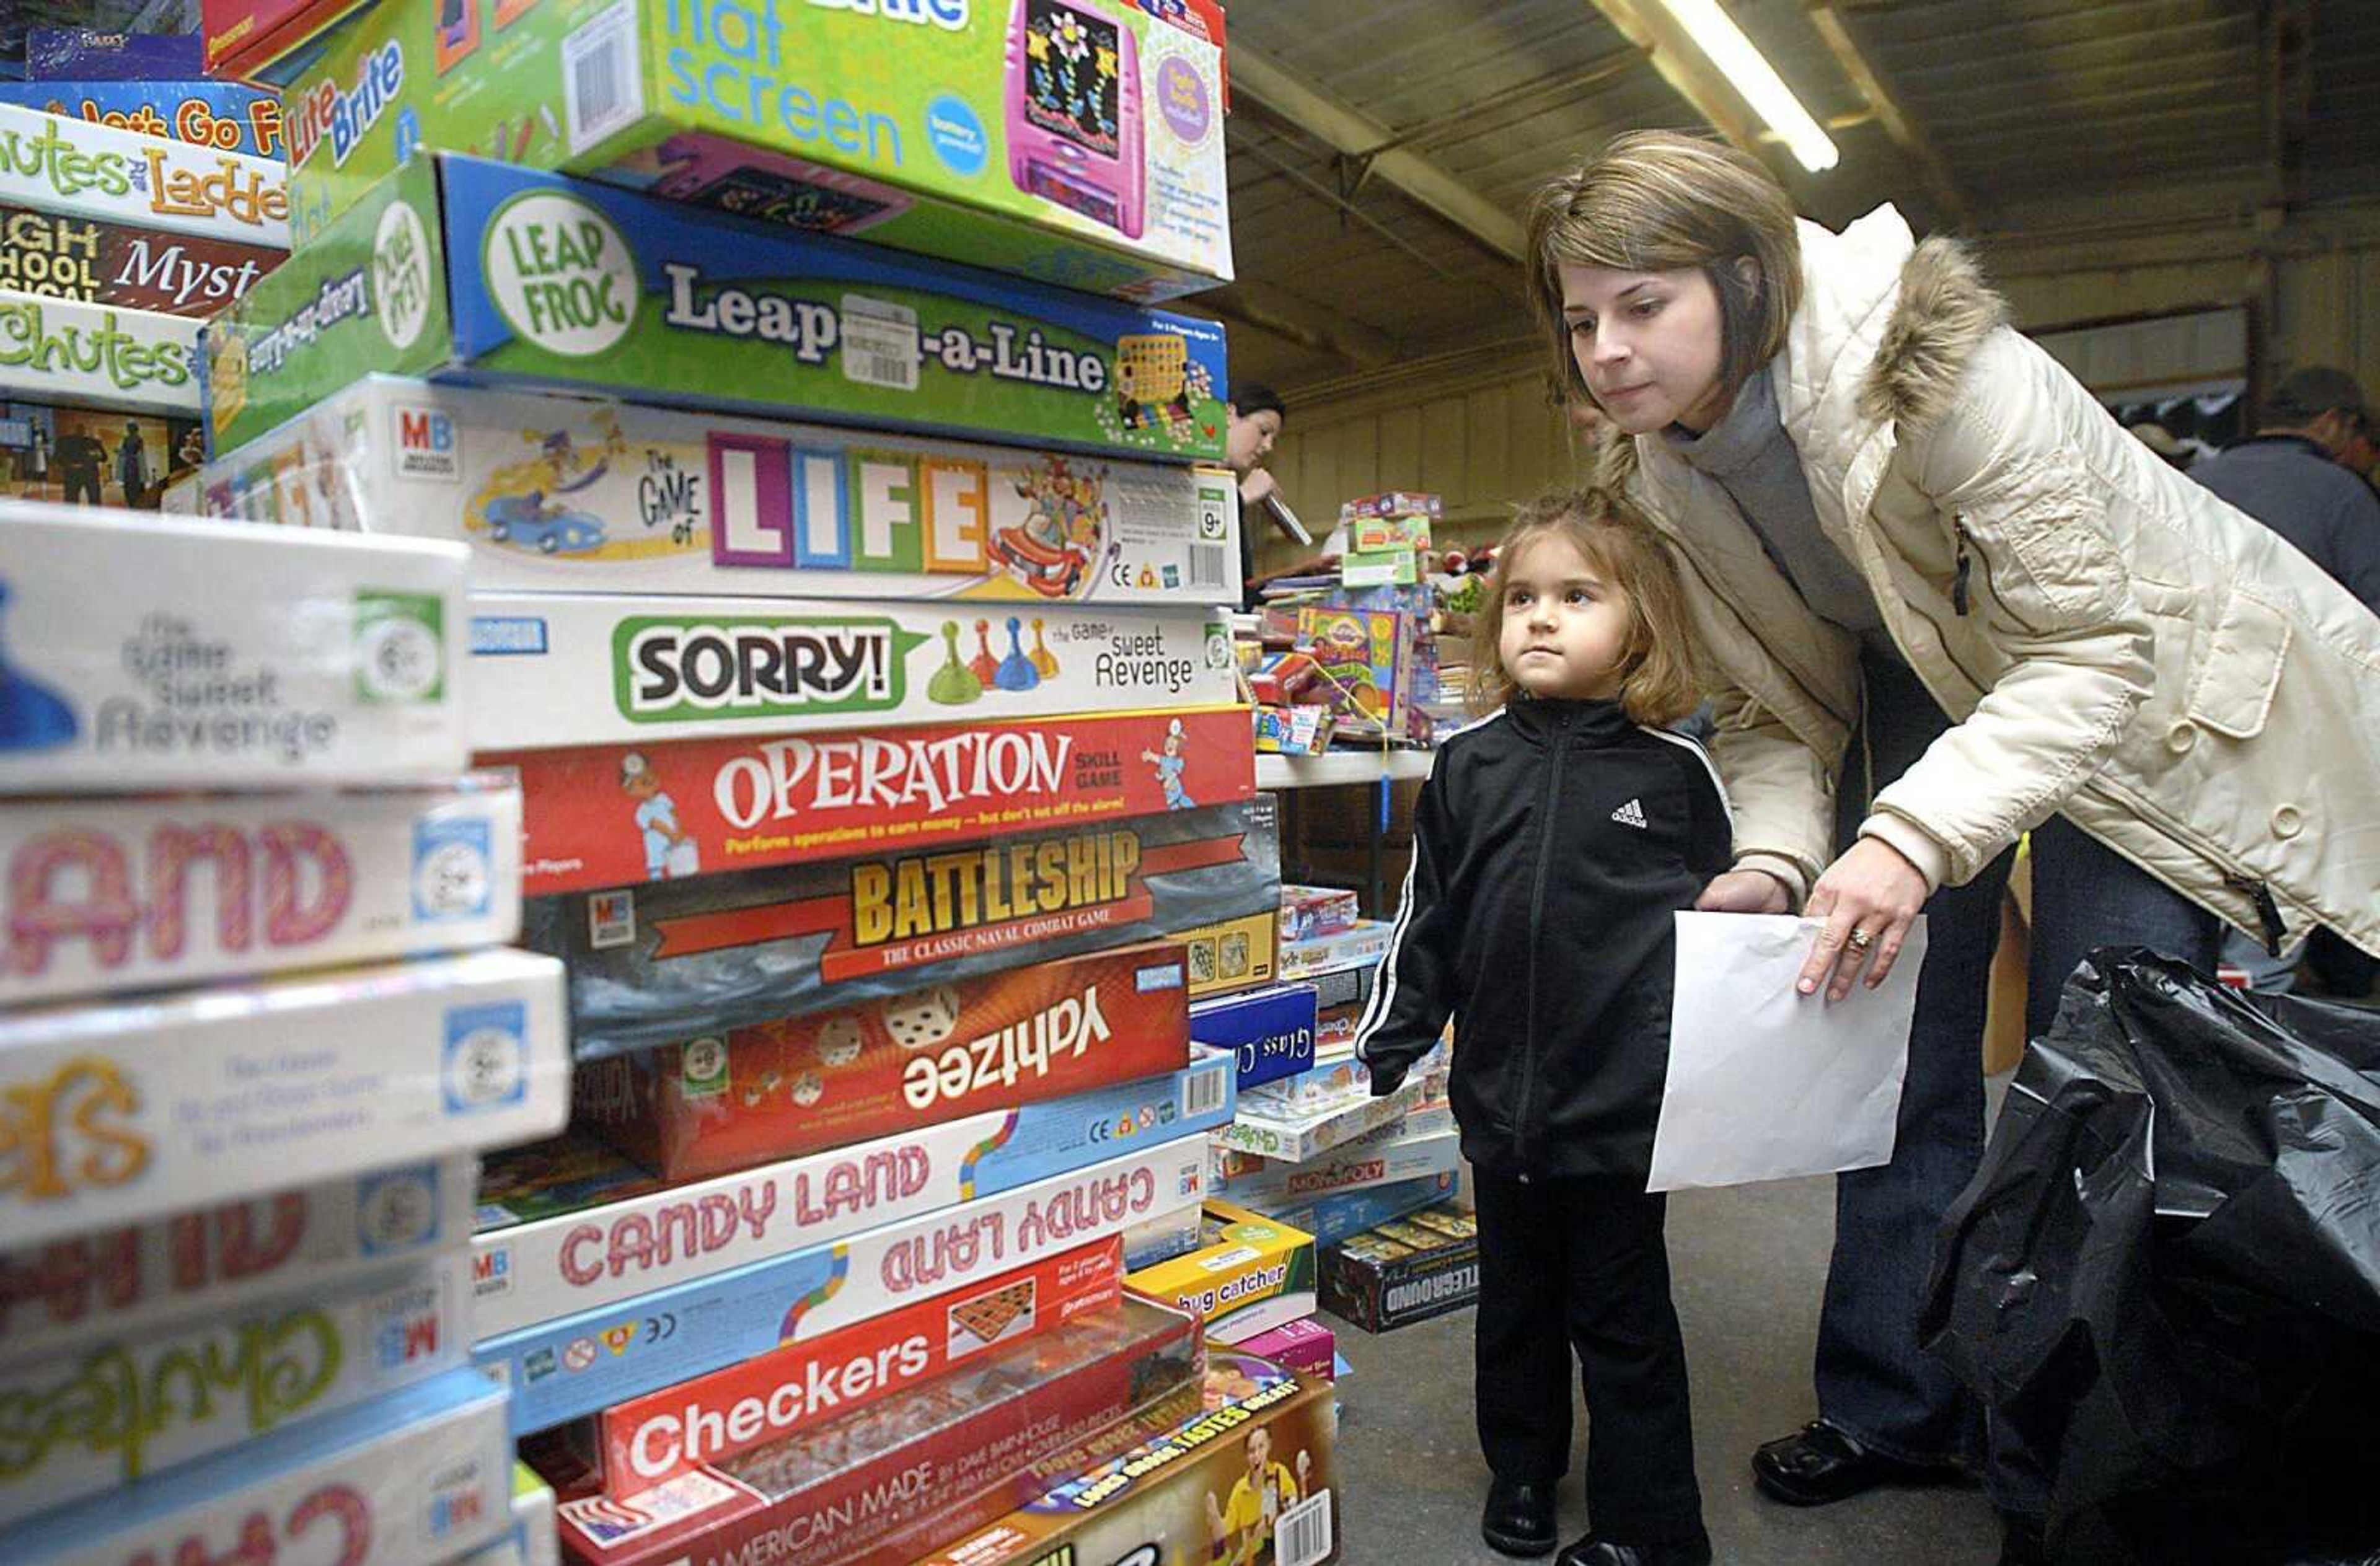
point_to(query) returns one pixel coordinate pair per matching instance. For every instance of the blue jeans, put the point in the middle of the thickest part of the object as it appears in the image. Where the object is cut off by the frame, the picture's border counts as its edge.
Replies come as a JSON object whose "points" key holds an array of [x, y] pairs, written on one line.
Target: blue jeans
{"points": [[1875, 1382]]}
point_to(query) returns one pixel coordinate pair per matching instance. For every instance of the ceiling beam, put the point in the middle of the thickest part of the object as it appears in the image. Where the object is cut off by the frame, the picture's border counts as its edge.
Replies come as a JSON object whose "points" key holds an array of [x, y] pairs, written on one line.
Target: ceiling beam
{"points": [[1650, 26], [2284, 44], [1282, 94], [1906, 133], [1269, 307]]}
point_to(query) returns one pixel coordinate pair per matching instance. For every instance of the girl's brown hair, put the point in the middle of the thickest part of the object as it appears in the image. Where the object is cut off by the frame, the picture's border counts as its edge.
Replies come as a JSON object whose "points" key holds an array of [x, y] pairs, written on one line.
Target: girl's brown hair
{"points": [[1658, 201], [1662, 681]]}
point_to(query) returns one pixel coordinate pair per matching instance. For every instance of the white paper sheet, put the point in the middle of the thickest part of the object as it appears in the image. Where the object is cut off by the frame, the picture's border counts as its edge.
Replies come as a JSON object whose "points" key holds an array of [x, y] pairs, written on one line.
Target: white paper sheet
{"points": [[1766, 1083]]}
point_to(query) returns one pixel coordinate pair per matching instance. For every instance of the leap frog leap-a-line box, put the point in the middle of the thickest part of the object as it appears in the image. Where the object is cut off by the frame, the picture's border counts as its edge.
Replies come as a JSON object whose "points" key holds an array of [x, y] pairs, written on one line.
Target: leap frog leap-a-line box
{"points": [[127, 268], [420, 1475], [133, 1109], [460, 269], [115, 1406], [137, 653], [565, 493], [577, 1261], [1076, 142], [129, 894], [580, 669], [306, 1238], [613, 815], [580, 1363], [59, 164], [674, 960], [97, 356]]}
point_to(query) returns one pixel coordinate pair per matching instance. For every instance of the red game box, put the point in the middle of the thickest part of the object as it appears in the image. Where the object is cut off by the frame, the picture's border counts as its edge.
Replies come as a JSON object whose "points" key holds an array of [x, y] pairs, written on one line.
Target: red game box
{"points": [[807, 1084]]}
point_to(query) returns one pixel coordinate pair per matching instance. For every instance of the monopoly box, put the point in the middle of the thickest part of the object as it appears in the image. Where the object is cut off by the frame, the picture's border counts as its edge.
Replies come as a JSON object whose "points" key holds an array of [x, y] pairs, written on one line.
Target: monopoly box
{"points": [[1361, 946], [613, 815], [60, 163], [1079, 142], [456, 269], [1348, 1213], [78, 455], [676, 960], [417, 1475], [1269, 1183], [1298, 1136], [111, 360], [114, 1407], [100, 895], [1269, 1032], [133, 1108], [567, 493], [309, 1238], [225, 116], [569, 1260], [564, 1369], [580, 669], [1248, 1482], [1252, 1274], [121, 267], [223, 654], [803, 1085], [1405, 1270]]}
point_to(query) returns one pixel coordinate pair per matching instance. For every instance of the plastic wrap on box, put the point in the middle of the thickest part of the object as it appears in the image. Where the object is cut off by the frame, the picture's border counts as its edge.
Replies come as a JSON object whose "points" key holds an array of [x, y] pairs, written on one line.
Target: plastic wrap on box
{"points": [[110, 1409], [1335, 1079], [570, 1261], [1306, 1346], [1310, 911], [1339, 990], [1362, 946], [60, 453], [1296, 1136], [678, 960], [566, 1368], [1405, 1270], [614, 815], [802, 1084], [1269, 1032], [223, 654], [80, 169], [1162, 1238], [1251, 1274], [138, 1109], [100, 895], [226, 115], [455, 269], [102, 357], [1248, 1179], [116, 265], [565, 493], [314, 1237], [1348, 1213], [418, 1475], [1080, 144]]}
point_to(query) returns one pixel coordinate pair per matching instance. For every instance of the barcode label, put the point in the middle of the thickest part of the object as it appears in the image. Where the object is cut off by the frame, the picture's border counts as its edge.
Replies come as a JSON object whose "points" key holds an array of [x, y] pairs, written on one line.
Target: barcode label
{"points": [[1303, 1536], [1203, 1092], [1206, 566], [880, 343], [602, 89]]}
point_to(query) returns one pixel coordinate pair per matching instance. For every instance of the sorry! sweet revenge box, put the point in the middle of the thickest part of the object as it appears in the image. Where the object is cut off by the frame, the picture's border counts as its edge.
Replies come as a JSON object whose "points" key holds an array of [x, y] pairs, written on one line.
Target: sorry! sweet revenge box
{"points": [[802, 1084], [456, 269]]}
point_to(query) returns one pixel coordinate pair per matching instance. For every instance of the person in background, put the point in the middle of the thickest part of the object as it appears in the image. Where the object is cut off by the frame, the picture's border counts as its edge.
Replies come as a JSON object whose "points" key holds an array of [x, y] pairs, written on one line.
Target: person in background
{"points": [[2293, 476], [81, 458], [2178, 454], [1257, 416]]}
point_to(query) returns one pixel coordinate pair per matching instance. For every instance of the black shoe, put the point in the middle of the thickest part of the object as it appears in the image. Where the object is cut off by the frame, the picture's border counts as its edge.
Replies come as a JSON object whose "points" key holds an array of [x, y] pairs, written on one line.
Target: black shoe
{"points": [[2022, 1543], [1519, 1518], [1819, 1464], [1593, 1551]]}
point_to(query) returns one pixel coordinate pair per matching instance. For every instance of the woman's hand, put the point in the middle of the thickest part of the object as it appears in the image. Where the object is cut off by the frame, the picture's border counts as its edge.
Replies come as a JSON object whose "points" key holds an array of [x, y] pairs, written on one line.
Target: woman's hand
{"points": [[1745, 891], [1256, 485], [1868, 898]]}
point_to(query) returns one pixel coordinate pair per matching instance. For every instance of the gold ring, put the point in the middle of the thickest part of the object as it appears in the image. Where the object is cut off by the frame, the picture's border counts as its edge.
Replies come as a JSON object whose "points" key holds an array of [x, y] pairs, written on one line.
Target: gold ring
{"points": [[1861, 940]]}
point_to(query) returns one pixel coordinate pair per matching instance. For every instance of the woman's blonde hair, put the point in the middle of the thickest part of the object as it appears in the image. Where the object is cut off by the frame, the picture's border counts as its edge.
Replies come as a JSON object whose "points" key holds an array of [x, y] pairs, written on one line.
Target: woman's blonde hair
{"points": [[1662, 679], [1659, 200]]}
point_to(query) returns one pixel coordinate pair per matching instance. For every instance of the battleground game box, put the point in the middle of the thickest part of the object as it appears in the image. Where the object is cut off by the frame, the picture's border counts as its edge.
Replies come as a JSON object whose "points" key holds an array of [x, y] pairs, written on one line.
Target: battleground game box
{"points": [[1405, 1270], [456, 269]]}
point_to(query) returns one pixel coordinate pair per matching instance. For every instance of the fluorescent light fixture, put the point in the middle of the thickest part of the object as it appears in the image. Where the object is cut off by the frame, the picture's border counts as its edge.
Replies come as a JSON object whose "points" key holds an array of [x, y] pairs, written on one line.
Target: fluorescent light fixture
{"points": [[1751, 74]]}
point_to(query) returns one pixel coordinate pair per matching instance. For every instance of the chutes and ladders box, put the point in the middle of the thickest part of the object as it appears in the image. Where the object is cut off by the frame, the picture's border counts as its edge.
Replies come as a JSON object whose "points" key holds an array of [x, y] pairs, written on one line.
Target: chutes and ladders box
{"points": [[802, 1084], [611, 1245], [1269, 1032], [102, 357], [148, 653], [1252, 1274], [674, 960], [111, 1407], [418, 1476], [80, 168], [564, 1369], [616, 815], [100, 895], [569, 494], [1405, 1270], [138, 1109]]}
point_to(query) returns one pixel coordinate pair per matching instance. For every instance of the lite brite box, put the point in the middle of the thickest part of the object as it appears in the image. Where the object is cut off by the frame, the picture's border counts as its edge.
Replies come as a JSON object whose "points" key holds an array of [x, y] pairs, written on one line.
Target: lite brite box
{"points": [[1405, 1270], [1348, 1213], [571, 1368], [1309, 911], [577, 669], [224, 116], [1252, 1180], [122, 267], [1361, 945], [590, 1243], [613, 815], [1252, 1274], [674, 960], [802, 1084], [223, 654], [1078, 142], [1259, 1457], [456, 268], [1269, 1032], [71, 166], [139, 1108], [309, 1238], [415, 1475], [565, 493], [59, 453], [115, 1407], [98, 357], [125, 894], [1307, 1347]]}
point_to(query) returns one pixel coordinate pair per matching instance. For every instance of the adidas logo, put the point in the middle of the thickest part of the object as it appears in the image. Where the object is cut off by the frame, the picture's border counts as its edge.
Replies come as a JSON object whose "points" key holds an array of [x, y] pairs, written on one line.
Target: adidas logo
{"points": [[1631, 815]]}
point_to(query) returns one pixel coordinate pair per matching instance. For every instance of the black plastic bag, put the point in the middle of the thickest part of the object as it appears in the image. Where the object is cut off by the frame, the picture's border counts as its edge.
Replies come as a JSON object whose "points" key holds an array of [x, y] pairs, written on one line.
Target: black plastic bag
{"points": [[2164, 1283]]}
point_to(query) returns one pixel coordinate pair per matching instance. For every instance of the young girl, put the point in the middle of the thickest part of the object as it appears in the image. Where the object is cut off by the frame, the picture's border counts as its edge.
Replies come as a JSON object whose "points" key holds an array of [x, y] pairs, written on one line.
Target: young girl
{"points": [[1552, 844]]}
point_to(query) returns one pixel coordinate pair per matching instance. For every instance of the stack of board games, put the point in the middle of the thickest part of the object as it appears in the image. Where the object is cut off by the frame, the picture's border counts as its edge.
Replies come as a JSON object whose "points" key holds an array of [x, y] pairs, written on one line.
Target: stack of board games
{"points": [[256, 1022]]}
